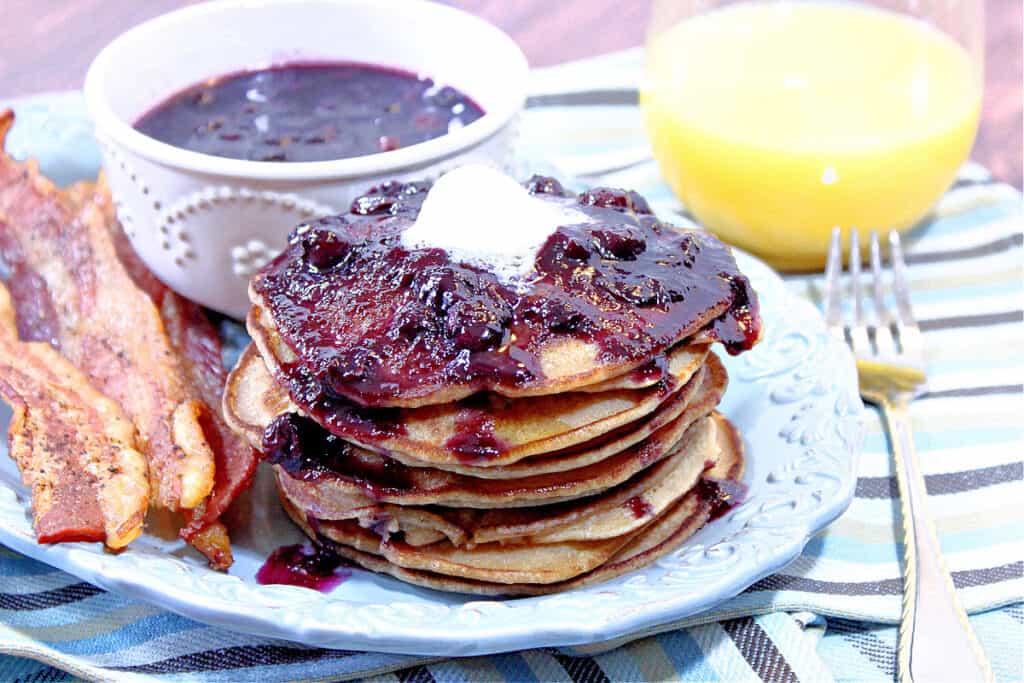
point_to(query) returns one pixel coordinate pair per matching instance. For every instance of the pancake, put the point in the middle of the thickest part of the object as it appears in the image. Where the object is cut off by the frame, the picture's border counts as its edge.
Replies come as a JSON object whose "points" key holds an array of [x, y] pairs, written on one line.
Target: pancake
{"points": [[361, 472], [662, 536], [493, 563], [690, 515], [622, 509], [681, 360], [419, 524], [504, 563], [645, 495], [486, 430], [677, 359], [710, 378], [636, 512], [252, 400], [729, 441], [374, 321]]}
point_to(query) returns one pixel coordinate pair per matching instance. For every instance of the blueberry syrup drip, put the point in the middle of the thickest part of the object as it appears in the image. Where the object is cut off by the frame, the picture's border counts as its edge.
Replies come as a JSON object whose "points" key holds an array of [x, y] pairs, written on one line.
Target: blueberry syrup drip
{"points": [[741, 322], [308, 452], [314, 567], [371, 321], [722, 494], [639, 507], [668, 382], [474, 437], [308, 112], [654, 371]]}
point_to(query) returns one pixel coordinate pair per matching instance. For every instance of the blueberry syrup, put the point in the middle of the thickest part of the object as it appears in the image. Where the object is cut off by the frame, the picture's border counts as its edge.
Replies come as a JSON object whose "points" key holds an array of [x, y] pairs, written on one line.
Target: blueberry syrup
{"points": [[371, 321], [722, 494], [655, 370], [301, 565], [639, 507], [474, 437], [308, 112], [308, 452]]}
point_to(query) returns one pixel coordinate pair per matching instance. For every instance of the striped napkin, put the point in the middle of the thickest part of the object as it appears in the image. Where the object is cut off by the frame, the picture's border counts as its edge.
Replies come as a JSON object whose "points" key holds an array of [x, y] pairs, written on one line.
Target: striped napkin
{"points": [[830, 615]]}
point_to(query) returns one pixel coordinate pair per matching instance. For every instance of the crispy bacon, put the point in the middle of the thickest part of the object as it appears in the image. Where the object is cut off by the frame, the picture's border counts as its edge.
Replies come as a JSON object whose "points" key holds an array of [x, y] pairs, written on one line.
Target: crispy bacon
{"points": [[75, 448], [79, 286], [106, 327], [198, 345], [213, 542]]}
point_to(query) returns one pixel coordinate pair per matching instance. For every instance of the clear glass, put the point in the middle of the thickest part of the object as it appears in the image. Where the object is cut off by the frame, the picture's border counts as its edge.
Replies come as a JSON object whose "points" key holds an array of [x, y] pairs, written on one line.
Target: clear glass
{"points": [[776, 120]]}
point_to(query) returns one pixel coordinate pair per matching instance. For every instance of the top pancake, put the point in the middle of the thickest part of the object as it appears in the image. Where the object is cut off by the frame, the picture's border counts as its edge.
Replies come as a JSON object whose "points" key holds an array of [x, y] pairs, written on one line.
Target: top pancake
{"points": [[369, 321]]}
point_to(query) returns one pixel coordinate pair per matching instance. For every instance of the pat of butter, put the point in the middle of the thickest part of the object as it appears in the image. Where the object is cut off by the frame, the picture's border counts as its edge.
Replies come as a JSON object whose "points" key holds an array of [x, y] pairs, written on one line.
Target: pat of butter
{"points": [[484, 218]]}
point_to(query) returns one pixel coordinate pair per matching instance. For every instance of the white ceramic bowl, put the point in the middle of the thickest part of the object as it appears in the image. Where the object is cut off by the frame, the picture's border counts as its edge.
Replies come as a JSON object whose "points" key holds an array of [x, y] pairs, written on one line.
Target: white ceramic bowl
{"points": [[205, 224]]}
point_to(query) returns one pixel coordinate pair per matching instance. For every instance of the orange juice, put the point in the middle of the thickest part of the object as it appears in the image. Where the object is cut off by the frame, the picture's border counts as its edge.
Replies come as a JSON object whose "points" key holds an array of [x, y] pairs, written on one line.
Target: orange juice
{"points": [[775, 121]]}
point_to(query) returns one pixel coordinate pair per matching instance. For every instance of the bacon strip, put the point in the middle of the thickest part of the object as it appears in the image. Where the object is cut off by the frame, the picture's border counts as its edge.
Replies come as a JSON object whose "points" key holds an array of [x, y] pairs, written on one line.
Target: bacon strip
{"points": [[75, 447], [198, 345], [96, 317], [236, 461]]}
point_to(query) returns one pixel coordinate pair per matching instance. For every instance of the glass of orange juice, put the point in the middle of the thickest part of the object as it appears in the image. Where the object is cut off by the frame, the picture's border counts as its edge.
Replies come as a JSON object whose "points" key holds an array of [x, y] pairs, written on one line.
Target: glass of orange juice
{"points": [[776, 120]]}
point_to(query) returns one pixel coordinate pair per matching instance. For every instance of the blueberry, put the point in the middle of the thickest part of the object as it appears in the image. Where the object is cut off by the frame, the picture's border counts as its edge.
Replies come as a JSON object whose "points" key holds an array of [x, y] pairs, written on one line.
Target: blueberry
{"points": [[370, 204], [555, 315], [621, 243], [477, 324], [438, 288], [282, 439], [563, 250], [353, 367], [540, 184], [638, 290], [410, 322], [614, 198], [303, 448], [575, 250], [638, 204], [560, 318], [324, 249], [445, 98], [386, 197]]}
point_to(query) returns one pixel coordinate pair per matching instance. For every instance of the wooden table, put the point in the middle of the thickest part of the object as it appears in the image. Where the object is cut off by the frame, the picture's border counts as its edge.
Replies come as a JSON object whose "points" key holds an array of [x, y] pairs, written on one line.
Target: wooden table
{"points": [[48, 44]]}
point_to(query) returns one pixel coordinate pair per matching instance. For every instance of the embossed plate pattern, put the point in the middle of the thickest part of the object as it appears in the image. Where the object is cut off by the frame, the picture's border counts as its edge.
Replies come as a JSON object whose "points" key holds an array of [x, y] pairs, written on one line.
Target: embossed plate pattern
{"points": [[794, 398]]}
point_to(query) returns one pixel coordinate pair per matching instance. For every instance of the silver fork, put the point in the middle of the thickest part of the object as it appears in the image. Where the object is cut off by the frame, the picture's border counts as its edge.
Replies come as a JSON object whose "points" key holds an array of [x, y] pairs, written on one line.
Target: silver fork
{"points": [[937, 642]]}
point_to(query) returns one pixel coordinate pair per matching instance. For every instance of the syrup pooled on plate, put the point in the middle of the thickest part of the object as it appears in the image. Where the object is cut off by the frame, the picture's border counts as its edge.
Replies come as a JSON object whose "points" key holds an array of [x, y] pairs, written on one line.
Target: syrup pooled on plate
{"points": [[299, 565], [308, 112], [722, 494]]}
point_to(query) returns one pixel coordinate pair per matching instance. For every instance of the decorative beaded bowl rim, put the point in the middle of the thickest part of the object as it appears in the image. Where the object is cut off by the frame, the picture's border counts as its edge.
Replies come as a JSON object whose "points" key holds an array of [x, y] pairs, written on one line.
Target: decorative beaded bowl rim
{"points": [[498, 68], [794, 397]]}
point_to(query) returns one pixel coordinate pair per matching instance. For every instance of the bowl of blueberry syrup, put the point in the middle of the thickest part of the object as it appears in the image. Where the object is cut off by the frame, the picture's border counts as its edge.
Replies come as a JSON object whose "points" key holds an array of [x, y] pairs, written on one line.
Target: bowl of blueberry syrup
{"points": [[224, 125]]}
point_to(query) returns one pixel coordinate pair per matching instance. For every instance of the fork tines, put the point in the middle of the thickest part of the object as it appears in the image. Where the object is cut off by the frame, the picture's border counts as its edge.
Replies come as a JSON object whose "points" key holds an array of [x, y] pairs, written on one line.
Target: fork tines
{"points": [[881, 334]]}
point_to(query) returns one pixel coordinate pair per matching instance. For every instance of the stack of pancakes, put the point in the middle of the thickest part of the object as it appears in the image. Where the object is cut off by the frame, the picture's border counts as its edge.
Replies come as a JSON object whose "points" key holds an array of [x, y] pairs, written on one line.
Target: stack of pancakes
{"points": [[428, 456]]}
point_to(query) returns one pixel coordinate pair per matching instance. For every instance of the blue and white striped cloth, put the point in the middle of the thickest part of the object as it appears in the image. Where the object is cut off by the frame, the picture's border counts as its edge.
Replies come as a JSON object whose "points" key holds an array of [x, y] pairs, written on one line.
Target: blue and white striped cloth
{"points": [[829, 615]]}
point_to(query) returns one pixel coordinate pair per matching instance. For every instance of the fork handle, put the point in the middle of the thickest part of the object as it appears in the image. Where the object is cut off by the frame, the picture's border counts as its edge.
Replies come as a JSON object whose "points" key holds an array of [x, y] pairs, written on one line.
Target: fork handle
{"points": [[937, 642]]}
